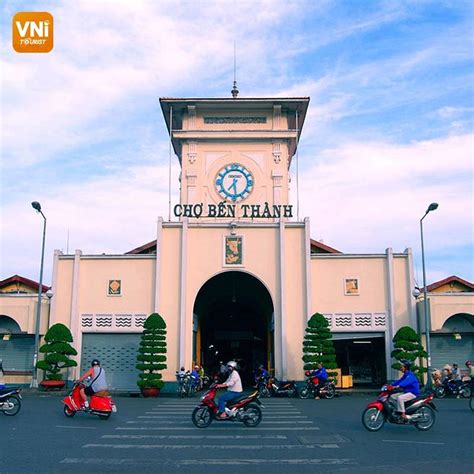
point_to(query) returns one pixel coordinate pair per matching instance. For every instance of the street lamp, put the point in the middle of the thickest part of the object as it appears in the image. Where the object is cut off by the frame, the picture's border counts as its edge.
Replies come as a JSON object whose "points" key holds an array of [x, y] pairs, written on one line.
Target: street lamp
{"points": [[34, 380], [433, 206]]}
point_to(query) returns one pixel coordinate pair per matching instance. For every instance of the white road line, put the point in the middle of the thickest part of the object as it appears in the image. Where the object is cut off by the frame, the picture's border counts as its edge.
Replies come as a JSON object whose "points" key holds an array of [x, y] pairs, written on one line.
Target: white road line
{"points": [[411, 442], [199, 446], [77, 427], [193, 462], [178, 422], [160, 417], [215, 427], [328, 445], [246, 437]]}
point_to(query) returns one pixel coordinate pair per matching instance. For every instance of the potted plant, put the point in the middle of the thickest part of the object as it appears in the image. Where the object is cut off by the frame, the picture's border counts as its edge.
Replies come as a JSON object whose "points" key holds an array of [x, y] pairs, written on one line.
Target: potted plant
{"points": [[407, 346], [152, 356], [57, 349]]}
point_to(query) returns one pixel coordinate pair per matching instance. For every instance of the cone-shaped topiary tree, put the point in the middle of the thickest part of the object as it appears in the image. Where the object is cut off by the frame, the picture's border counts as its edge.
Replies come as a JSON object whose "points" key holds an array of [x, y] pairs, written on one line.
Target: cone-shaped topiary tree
{"points": [[408, 346], [57, 349], [318, 346], [151, 352]]}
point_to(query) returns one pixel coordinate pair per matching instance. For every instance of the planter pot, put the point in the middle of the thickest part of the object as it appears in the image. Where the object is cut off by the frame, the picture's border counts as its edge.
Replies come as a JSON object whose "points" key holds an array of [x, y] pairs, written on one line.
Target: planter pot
{"points": [[52, 384], [150, 392]]}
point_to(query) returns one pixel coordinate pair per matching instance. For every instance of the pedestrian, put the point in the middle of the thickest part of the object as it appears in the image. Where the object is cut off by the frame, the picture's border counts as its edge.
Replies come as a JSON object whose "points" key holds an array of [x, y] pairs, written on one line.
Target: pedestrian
{"points": [[2, 376], [470, 372]]}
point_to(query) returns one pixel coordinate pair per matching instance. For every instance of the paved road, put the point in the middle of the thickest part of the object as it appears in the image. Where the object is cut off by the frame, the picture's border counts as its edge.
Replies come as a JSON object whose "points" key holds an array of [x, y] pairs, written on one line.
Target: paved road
{"points": [[297, 435]]}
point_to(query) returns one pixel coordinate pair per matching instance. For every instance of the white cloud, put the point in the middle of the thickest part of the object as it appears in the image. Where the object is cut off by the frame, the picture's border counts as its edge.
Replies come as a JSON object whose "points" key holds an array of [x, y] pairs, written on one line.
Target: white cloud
{"points": [[364, 197]]}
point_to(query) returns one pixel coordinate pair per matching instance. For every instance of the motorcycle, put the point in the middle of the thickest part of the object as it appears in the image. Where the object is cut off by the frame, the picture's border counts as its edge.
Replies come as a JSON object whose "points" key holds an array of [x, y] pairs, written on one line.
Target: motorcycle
{"points": [[454, 388], [420, 411], [10, 401], [268, 387], [182, 381], [327, 390], [101, 403], [244, 409]]}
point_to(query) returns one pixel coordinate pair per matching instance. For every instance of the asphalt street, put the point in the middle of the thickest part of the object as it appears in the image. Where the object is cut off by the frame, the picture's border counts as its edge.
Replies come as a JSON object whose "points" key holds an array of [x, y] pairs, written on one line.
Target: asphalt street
{"points": [[156, 435]]}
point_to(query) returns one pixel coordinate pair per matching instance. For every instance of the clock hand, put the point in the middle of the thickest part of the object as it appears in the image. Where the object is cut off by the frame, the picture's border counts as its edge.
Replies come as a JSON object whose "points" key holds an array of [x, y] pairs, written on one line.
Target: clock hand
{"points": [[233, 186]]}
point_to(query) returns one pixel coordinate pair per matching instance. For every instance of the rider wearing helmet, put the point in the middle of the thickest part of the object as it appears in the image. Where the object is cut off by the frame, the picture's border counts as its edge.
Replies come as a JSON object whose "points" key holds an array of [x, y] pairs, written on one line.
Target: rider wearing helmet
{"points": [[233, 385], [97, 374], [261, 374], [322, 376], [195, 377], [410, 385]]}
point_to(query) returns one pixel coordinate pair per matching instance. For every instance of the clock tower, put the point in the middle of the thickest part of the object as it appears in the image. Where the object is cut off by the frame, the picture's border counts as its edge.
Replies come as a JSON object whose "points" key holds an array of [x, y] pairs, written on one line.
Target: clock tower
{"points": [[235, 153]]}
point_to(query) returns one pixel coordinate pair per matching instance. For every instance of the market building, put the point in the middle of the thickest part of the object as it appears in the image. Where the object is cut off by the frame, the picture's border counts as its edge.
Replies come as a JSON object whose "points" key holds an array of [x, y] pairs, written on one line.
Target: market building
{"points": [[233, 269]]}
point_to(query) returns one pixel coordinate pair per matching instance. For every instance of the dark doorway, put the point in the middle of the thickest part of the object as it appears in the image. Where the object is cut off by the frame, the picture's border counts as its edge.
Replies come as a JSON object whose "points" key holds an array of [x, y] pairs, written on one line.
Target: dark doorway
{"points": [[364, 359], [233, 321]]}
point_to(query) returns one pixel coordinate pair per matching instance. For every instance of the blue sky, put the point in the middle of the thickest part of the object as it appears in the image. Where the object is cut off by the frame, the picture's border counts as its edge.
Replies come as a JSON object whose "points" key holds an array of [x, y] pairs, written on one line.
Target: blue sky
{"points": [[389, 127]]}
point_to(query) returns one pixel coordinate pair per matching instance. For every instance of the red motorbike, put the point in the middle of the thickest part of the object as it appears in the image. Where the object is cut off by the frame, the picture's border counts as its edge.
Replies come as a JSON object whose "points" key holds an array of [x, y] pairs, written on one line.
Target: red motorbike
{"points": [[244, 409], [101, 403], [419, 411]]}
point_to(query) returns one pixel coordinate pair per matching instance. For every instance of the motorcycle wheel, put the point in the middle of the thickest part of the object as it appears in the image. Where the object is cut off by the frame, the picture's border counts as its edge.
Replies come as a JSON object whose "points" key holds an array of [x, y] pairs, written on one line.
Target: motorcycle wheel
{"points": [[201, 417], [330, 392], [440, 392], [428, 418], [182, 392], [372, 419], [304, 393], [253, 416], [465, 391], [264, 392], [293, 392], [471, 404], [104, 416], [15, 405], [68, 412]]}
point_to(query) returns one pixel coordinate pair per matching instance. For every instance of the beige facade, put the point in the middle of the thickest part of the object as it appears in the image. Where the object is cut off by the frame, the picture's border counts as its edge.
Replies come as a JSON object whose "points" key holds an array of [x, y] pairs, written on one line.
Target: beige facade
{"points": [[234, 272], [234, 245]]}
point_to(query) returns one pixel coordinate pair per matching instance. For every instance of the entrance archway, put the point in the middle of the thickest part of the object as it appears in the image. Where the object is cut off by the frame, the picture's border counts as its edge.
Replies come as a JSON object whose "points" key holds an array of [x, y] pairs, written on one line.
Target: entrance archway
{"points": [[233, 319]]}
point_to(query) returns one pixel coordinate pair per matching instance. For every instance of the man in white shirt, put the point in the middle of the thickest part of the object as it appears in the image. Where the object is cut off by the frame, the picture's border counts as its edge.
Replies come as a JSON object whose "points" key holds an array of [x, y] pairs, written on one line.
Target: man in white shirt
{"points": [[233, 385]]}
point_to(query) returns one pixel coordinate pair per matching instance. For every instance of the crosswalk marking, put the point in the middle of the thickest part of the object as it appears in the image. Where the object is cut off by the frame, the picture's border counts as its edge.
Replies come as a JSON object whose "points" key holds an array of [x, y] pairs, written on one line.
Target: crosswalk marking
{"points": [[215, 462], [179, 422], [218, 437], [199, 446], [218, 426]]}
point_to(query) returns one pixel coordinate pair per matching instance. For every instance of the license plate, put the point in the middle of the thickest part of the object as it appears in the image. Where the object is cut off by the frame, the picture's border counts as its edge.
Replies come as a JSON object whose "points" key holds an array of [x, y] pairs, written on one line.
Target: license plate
{"points": [[114, 409]]}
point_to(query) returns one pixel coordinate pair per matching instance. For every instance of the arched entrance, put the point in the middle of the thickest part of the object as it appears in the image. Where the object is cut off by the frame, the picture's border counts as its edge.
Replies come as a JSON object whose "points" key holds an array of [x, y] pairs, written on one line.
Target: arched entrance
{"points": [[454, 342], [233, 319]]}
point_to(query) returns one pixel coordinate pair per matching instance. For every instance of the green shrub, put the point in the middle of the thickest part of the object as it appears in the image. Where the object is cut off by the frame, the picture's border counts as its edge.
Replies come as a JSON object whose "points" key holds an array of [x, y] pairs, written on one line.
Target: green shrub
{"points": [[318, 346], [152, 352], [407, 346], [57, 350]]}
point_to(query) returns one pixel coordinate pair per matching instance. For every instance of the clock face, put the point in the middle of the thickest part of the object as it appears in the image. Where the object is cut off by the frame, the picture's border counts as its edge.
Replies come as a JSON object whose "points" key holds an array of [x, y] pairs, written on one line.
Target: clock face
{"points": [[234, 182]]}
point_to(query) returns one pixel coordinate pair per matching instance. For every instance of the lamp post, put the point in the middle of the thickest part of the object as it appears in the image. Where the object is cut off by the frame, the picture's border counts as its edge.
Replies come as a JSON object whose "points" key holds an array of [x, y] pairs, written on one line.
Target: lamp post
{"points": [[34, 380], [433, 206]]}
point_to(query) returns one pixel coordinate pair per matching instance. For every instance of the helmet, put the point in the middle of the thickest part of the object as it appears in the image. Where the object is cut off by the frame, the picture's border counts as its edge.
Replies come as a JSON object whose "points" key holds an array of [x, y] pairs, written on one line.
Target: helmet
{"points": [[196, 366], [260, 366], [406, 363], [232, 364], [307, 373], [94, 362]]}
